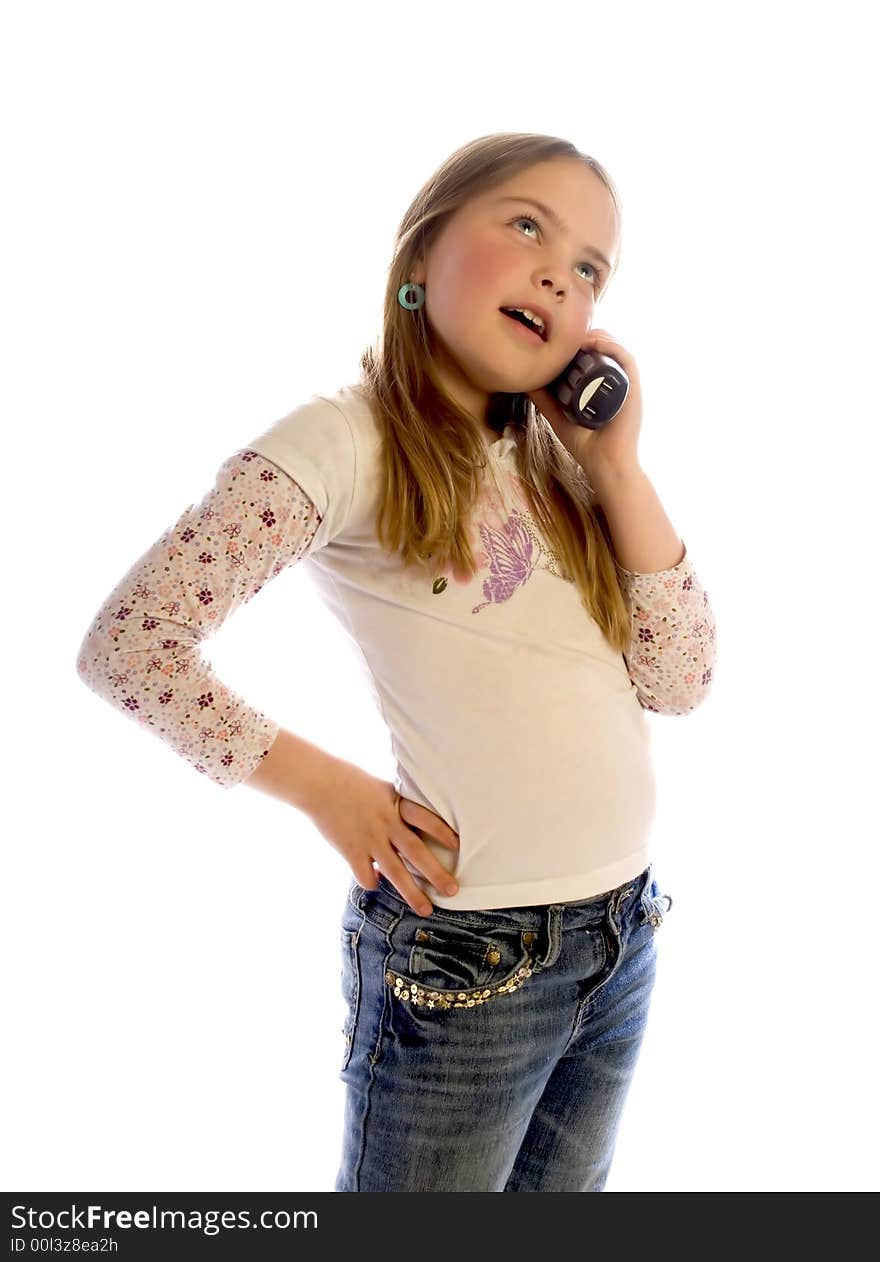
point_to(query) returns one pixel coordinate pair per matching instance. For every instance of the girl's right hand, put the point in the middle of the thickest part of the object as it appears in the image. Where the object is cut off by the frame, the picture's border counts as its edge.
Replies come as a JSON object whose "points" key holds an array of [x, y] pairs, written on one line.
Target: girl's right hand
{"points": [[362, 818]]}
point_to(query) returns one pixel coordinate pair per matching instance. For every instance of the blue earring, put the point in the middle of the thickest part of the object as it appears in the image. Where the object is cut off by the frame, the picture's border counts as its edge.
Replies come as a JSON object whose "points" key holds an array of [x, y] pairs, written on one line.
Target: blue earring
{"points": [[419, 296]]}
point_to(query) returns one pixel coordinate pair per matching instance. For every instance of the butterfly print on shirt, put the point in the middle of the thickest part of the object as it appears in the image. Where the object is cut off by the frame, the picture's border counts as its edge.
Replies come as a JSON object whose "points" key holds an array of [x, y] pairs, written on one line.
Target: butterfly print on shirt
{"points": [[508, 544], [513, 553]]}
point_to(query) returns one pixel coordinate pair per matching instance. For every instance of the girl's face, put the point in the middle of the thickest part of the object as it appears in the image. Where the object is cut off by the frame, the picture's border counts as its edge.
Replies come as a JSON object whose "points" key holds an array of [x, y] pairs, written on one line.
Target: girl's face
{"points": [[500, 250]]}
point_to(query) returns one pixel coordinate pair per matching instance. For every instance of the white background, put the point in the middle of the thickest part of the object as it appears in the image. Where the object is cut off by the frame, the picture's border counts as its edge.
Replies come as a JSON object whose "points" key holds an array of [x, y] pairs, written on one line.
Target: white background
{"points": [[200, 207]]}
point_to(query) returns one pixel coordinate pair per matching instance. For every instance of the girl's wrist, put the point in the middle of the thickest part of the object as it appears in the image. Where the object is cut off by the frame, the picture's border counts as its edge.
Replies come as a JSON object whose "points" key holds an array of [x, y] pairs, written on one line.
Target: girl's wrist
{"points": [[603, 476]]}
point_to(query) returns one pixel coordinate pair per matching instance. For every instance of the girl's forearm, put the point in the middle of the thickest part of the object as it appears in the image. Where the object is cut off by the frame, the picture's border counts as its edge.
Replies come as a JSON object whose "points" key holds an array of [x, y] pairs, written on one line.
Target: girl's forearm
{"points": [[294, 770], [643, 536]]}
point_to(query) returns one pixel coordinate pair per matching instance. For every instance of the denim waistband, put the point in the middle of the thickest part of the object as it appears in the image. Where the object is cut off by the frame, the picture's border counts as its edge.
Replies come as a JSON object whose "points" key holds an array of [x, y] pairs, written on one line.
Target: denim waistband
{"points": [[580, 911]]}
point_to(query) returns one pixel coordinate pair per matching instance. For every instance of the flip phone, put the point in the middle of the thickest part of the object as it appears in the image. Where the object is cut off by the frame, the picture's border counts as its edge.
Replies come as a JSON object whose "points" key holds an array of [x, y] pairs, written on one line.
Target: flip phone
{"points": [[591, 389]]}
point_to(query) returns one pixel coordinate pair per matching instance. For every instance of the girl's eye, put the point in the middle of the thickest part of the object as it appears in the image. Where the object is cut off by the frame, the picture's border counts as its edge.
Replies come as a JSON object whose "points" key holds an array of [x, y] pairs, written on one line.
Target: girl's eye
{"points": [[531, 219]]}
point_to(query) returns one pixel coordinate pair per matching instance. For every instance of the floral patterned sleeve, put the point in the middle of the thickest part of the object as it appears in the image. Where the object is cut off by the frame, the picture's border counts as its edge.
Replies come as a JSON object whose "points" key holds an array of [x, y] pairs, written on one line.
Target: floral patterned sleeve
{"points": [[142, 652], [672, 651]]}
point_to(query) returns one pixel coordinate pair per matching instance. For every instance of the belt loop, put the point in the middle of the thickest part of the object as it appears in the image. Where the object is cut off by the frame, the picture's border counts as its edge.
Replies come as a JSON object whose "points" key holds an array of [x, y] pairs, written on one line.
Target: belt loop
{"points": [[614, 903], [554, 938]]}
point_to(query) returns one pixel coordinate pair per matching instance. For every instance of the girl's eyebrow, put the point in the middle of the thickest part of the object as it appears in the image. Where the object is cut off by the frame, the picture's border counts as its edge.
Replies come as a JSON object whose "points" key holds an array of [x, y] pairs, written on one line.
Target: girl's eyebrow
{"points": [[554, 219]]}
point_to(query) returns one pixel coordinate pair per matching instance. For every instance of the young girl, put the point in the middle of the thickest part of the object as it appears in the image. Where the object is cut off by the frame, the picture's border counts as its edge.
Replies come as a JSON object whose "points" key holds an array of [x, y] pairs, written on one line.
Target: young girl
{"points": [[520, 599]]}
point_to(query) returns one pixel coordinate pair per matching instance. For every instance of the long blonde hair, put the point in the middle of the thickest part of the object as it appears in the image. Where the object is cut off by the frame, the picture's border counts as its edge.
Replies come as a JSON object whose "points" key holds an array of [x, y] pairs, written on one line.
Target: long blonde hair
{"points": [[434, 450]]}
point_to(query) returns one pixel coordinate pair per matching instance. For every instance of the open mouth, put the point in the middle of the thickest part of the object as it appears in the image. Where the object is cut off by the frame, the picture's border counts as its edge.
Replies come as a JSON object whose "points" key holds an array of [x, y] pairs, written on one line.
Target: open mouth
{"points": [[528, 329]]}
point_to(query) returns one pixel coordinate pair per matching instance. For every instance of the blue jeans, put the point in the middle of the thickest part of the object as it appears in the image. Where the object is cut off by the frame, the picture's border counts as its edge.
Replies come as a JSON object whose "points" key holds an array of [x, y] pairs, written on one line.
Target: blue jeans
{"points": [[491, 1051]]}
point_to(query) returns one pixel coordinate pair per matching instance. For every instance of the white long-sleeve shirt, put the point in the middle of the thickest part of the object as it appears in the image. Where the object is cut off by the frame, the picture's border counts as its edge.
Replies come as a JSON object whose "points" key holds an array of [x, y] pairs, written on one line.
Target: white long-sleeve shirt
{"points": [[510, 714]]}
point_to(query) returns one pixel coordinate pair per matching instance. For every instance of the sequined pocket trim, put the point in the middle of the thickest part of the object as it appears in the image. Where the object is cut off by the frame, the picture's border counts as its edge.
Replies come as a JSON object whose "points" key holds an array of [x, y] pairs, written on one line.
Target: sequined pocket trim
{"points": [[426, 997]]}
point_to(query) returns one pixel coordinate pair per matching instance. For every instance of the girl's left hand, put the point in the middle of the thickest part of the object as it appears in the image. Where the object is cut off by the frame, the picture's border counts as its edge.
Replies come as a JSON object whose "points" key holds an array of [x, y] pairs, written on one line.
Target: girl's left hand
{"points": [[614, 448]]}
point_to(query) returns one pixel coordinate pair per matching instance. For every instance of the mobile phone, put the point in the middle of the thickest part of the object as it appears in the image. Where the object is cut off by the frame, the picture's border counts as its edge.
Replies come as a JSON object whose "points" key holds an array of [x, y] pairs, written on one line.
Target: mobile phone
{"points": [[591, 389]]}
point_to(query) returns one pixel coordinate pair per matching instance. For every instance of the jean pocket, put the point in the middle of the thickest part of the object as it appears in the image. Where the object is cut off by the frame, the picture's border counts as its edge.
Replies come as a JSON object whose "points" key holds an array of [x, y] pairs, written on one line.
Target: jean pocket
{"points": [[455, 966], [351, 990], [655, 904]]}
